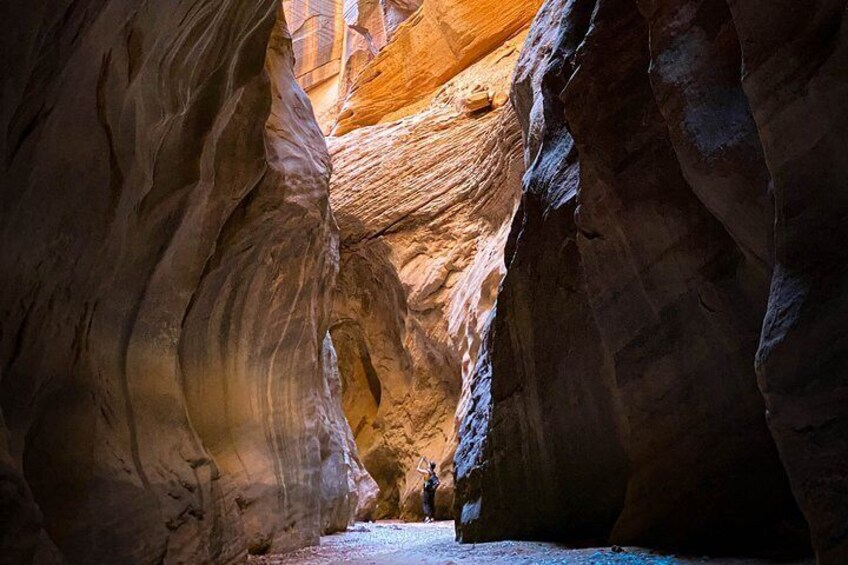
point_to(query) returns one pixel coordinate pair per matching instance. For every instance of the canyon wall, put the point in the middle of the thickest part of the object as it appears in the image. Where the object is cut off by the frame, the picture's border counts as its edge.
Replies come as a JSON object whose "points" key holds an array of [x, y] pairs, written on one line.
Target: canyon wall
{"points": [[617, 394], [334, 40], [423, 204], [650, 350], [796, 80], [317, 30], [440, 40], [168, 389]]}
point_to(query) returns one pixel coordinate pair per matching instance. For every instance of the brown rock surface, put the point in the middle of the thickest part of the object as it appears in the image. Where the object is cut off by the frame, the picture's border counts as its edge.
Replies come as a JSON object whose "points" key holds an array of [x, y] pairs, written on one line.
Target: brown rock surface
{"points": [[423, 205], [179, 360], [365, 36], [396, 12], [796, 79], [541, 450], [695, 69], [676, 309], [168, 254], [645, 236]]}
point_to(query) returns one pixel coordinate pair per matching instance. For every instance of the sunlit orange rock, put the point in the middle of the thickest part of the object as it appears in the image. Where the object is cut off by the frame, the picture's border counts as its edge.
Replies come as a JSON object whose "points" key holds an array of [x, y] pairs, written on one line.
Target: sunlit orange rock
{"points": [[424, 205], [437, 42]]}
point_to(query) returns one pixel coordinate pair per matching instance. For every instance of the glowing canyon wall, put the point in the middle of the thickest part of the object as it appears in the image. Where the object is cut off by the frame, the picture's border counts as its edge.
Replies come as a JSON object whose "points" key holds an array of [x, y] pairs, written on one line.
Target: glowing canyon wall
{"points": [[335, 40], [169, 392], [423, 205], [423, 199]]}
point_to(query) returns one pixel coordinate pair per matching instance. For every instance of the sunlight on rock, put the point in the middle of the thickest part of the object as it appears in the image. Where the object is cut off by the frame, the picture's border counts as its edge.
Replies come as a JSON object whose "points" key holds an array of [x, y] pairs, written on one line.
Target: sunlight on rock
{"points": [[567, 279]]}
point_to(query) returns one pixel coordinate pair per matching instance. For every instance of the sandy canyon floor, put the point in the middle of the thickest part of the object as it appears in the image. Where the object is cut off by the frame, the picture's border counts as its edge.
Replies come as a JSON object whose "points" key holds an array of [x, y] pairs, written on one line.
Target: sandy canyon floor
{"points": [[397, 543]]}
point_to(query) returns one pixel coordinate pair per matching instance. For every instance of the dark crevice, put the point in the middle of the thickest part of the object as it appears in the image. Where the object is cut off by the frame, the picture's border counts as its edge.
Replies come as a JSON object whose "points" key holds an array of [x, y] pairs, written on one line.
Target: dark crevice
{"points": [[116, 175]]}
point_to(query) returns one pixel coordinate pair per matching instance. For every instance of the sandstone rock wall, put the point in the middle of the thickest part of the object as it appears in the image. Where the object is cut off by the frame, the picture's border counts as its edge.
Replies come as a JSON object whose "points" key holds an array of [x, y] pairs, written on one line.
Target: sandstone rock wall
{"points": [[796, 80], [334, 40], [541, 451], [443, 38], [317, 31], [168, 255], [652, 133], [424, 205]]}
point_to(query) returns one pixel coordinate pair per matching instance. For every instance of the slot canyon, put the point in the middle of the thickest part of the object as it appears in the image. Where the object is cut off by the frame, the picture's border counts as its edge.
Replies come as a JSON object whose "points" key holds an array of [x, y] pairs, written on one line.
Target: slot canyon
{"points": [[259, 257]]}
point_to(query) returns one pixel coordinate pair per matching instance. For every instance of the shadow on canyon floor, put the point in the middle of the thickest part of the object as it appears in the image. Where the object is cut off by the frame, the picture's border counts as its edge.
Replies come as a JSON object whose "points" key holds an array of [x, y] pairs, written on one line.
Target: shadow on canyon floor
{"points": [[391, 543]]}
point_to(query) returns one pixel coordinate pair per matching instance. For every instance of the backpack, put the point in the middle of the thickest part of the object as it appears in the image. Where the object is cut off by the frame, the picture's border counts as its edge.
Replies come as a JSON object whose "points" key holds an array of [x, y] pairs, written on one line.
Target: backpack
{"points": [[431, 484]]}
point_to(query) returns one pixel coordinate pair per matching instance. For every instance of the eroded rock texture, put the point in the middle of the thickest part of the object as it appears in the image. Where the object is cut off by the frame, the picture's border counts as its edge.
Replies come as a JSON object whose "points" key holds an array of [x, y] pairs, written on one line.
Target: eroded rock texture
{"points": [[443, 38], [334, 40], [167, 255], [423, 205], [317, 30], [618, 374], [541, 450]]}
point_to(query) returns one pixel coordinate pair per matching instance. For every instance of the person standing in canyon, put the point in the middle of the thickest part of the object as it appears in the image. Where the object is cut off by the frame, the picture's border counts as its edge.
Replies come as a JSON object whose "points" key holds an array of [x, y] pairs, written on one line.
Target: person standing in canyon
{"points": [[431, 483]]}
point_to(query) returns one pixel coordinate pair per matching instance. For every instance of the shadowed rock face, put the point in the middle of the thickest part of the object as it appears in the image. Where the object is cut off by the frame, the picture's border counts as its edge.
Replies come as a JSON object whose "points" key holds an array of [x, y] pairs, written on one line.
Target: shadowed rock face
{"points": [[676, 307], [541, 452], [796, 79], [177, 357], [168, 252], [655, 134]]}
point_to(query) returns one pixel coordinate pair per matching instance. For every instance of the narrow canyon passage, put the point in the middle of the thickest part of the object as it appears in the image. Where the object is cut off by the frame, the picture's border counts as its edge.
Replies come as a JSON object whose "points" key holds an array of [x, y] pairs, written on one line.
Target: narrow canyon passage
{"points": [[424, 192], [259, 259]]}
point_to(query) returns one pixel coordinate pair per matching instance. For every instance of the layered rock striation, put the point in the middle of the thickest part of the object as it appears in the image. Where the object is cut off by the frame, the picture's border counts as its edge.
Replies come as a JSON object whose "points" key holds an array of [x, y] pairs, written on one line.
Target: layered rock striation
{"points": [[441, 39], [650, 351], [317, 31], [168, 389], [423, 204], [618, 376], [334, 40]]}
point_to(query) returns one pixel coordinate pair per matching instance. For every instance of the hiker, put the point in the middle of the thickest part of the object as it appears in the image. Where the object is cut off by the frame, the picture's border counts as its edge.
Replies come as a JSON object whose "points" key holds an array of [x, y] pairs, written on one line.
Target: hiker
{"points": [[428, 497]]}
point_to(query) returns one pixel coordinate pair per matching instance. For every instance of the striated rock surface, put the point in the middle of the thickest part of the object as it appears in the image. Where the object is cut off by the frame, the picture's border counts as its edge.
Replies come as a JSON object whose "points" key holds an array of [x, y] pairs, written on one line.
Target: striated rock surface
{"points": [[168, 255], [334, 40], [396, 12], [440, 40], [317, 32], [347, 490], [618, 374], [365, 36], [423, 205]]}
